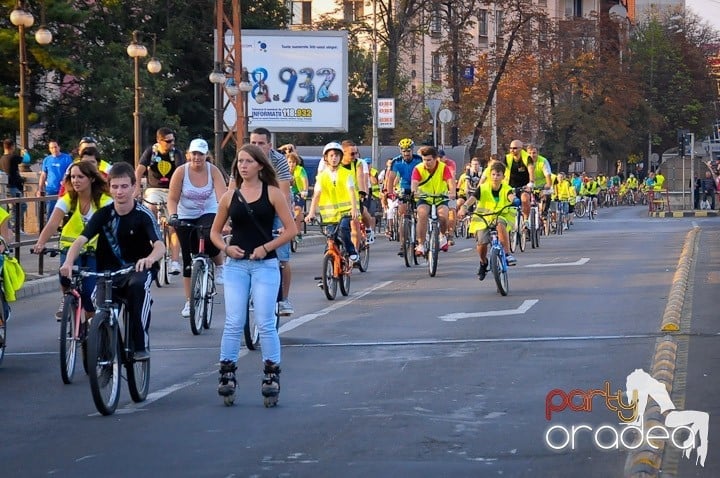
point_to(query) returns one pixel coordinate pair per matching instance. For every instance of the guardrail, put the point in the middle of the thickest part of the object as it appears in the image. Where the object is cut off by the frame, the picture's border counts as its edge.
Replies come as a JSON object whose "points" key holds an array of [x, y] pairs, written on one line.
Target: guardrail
{"points": [[14, 205]]}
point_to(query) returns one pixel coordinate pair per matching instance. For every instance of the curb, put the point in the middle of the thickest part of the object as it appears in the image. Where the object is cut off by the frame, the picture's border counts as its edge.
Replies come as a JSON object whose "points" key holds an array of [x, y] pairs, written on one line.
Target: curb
{"points": [[646, 461], [676, 297], [678, 214]]}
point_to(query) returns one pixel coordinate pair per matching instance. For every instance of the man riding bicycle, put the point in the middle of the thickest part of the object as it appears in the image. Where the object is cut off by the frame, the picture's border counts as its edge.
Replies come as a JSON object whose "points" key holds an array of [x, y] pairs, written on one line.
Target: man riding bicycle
{"points": [[127, 234], [400, 174]]}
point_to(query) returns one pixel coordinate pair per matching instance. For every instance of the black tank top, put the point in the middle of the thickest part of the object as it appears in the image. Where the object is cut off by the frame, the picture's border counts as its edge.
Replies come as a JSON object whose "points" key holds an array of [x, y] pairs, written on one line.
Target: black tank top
{"points": [[519, 174], [244, 231]]}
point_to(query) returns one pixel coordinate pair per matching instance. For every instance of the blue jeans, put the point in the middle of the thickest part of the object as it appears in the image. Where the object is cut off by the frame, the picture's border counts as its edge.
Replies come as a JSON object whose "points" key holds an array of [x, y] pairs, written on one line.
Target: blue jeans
{"points": [[345, 235], [282, 252], [243, 279]]}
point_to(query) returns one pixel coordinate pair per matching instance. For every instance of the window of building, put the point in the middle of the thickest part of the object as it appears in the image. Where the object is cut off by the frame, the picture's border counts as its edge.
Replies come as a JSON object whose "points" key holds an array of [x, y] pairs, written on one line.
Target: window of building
{"points": [[413, 59], [353, 10], [435, 23], [483, 23], [435, 71], [498, 23], [573, 8], [301, 12]]}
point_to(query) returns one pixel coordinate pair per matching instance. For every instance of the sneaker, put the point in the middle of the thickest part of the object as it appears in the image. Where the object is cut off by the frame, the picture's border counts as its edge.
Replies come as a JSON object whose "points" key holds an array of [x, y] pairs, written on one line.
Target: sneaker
{"points": [[58, 313], [510, 260], [285, 307], [175, 268], [354, 258], [401, 252], [370, 236], [186, 310], [420, 250], [443, 243], [482, 271], [219, 280]]}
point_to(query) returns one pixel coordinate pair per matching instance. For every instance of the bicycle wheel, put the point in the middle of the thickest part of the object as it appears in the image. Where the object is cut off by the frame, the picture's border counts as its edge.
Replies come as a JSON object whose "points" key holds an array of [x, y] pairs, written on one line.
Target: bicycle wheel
{"points": [[408, 243], [534, 226], [499, 272], [592, 213], [209, 296], [294, 244], [329, 282], [344, 279], [251, 331], [104, 363], [197, 296], [514, 241], [579, 209], [559, 223], [162, 271], [3, 329], [138, 371], [69, 337], [433, 250], [364, 253]]}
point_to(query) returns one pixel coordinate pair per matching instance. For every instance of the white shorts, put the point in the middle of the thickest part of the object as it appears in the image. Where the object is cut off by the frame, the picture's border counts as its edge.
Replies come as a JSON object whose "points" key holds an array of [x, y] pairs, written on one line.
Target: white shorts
{"points": [[156, 195]]}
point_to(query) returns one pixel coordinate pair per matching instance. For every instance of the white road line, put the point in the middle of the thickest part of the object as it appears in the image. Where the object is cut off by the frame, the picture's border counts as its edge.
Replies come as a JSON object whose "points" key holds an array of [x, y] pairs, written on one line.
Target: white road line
{"points": [[333, 307], [524, 307], [579, 262]]}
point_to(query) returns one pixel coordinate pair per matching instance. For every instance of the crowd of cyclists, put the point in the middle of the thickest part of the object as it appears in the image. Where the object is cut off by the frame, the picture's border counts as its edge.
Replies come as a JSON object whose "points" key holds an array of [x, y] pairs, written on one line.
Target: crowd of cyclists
{"points": [[246, 224]]}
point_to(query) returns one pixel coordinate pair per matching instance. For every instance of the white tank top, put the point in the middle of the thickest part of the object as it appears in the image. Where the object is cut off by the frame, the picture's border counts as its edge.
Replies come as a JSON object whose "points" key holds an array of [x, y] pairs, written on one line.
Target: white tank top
{"points": [[196, 201]]}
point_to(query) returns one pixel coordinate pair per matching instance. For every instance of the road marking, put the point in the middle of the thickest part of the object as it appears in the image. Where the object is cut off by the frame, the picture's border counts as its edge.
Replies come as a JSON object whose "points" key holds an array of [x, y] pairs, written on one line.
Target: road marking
{"points": [[331, 308], [524, 307], [579, 262]]}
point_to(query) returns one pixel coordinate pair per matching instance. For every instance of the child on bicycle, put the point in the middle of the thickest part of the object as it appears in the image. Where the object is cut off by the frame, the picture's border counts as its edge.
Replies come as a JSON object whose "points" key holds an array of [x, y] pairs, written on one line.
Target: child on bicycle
{"points": [[334, 196], [492, 196]]}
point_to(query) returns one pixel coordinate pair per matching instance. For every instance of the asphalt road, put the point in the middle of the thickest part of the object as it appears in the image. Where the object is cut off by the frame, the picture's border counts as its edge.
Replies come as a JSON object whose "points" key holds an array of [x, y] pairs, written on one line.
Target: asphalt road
{"points": [[408, 376]]}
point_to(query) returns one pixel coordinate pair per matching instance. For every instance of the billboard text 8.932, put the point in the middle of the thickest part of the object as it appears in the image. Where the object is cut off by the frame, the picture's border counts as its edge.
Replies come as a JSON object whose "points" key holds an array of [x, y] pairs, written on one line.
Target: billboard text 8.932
{"points": [[299, 80]]}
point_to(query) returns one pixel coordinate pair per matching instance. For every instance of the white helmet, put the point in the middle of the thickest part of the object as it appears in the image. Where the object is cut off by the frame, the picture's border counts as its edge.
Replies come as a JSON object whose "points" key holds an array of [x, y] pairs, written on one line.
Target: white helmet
{"points": [[330, 146]]}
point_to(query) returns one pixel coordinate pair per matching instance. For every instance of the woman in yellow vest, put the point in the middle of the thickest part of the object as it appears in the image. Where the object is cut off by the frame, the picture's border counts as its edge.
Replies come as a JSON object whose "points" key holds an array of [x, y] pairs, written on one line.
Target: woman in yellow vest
{"points": [[334, 196], [86, 192], [431, 177]]}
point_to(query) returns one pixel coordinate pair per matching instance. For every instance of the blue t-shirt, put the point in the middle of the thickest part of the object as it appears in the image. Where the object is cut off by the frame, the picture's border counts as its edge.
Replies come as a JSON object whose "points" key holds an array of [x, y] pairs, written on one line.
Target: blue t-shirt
{"points": [[54, 168], [405, 169]]}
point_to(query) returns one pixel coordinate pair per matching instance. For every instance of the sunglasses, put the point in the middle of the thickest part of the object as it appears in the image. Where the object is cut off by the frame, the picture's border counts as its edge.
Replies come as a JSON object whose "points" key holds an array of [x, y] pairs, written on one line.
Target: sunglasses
{"points": [[513, 148], [168, 141]]}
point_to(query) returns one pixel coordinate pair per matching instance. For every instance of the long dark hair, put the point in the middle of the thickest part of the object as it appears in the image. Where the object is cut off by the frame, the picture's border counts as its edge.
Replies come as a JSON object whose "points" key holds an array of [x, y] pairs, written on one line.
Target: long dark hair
{"points": [[98, 185], [266, 174]]}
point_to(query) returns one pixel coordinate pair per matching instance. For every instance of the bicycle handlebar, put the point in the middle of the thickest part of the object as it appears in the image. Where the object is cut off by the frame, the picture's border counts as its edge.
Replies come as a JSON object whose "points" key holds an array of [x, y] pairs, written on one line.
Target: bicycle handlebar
{"points": [[108, 274]]}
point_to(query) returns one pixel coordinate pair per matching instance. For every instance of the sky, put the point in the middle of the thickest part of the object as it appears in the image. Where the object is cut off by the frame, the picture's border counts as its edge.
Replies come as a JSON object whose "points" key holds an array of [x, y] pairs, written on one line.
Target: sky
{"points": [[709, 10]]}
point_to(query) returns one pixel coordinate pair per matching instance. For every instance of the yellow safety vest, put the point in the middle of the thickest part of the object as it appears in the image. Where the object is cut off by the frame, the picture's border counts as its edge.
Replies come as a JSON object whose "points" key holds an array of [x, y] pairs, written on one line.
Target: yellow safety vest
{"points": [[335, 200], [435, 185], [487, 203], [75, 223]]}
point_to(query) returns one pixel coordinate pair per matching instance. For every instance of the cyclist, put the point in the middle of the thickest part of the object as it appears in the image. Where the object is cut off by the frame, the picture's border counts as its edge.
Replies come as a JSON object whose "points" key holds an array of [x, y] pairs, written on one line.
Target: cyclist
{"points": [[87, 192], [659, 181], [519, 173], [159, 162], [632, 184], [590, 189], [543, 175], [193, 197], [89, 142], [127, 234], [400, 175], [565, 194], [432, 177], [361, 172], [492, 196], [334, 196], [298, 188]]}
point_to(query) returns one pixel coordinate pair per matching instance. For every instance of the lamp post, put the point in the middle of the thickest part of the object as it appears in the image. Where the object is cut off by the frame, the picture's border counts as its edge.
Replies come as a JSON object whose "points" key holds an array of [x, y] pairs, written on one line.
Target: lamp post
{"points": [[23, 20], [224, 79], [136, 51]]}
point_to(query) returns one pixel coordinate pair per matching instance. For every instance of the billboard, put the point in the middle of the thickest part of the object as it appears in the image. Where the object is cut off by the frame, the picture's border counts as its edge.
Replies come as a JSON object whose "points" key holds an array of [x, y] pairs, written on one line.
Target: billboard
{"points": [[299, 80]]}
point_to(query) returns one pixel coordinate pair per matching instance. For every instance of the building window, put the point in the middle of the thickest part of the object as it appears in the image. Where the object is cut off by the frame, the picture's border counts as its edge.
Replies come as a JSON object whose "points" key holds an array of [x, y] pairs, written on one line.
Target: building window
{"points": [[353, 10], [498, 23], [573, 8], [435, 72], [413, 74], [483, 23], [435, 23], [413, 59], [301, 13]]}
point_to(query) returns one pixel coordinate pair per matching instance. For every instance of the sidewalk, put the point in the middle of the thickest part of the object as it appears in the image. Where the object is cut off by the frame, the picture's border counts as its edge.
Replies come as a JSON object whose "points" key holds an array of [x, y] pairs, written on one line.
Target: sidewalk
{"points": [[692, 213]]}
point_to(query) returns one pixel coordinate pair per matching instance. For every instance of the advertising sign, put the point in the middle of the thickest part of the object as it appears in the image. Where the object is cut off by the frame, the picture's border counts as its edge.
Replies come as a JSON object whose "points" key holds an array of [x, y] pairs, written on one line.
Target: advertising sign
{"points": [[386, 112], [299, 80]]}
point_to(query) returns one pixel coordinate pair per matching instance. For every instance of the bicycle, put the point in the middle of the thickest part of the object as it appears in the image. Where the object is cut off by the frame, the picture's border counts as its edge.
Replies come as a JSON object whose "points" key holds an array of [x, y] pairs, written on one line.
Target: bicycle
{"points": [[497, 259], [202, 282], [519, 236], [580, 207], [535, 221], [73, 321], [336, 264], [591, 208], [409, 228], [164, 276], [432, 237], [359, 240], [109, 348]]}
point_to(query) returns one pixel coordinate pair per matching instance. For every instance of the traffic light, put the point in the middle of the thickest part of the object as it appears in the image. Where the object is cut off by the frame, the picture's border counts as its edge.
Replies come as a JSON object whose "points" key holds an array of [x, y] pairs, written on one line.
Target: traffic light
{"points": [[687, 144]]}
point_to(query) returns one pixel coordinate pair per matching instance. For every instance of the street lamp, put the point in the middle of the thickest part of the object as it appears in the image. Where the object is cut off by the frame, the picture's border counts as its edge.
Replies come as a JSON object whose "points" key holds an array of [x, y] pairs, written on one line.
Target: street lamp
{"points": [[136, 51], [225, 78], [24, 19]]}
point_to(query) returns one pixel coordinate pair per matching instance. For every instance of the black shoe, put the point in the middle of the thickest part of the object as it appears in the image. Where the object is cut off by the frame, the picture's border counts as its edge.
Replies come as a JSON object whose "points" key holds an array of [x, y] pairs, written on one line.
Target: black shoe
{"points": [[482, 271], [401, 252], [141, 355]]}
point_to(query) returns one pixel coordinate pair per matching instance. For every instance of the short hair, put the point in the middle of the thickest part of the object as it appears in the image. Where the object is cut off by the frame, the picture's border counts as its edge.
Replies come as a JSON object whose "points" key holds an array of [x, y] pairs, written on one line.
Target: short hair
{"points": [[267, 173], [162, 132], [89, 151], [348, 143], [428, 151], [497, 166], [265, 131], [121, 169], [8, 143], [296, 157]]}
